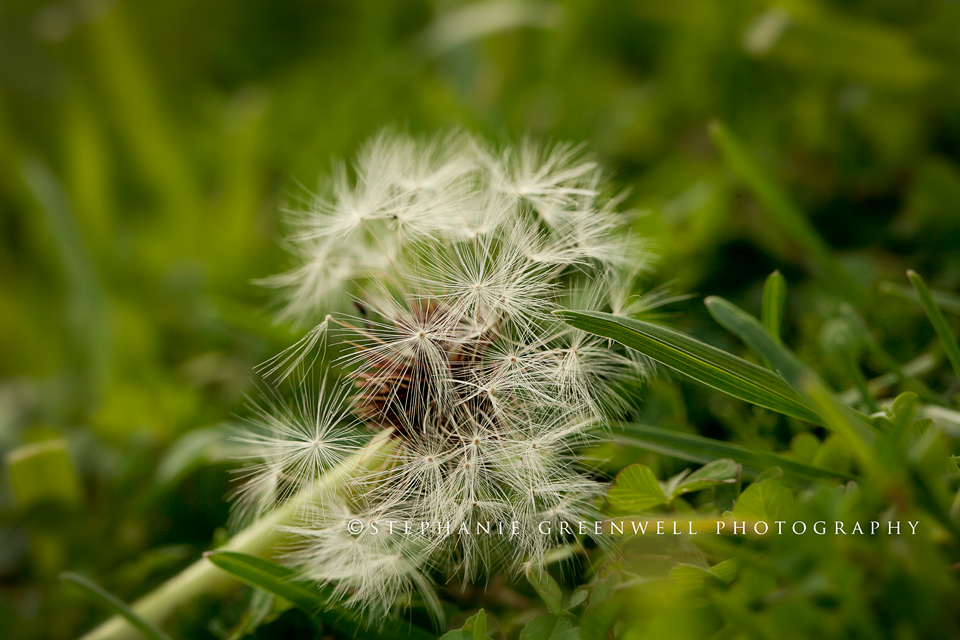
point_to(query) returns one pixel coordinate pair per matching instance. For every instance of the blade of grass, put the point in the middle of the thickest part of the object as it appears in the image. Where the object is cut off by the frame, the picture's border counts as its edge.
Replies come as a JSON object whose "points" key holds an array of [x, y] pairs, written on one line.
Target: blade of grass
{"points": [[945, 300], [113, 604], [783, 211], [85, 293], [882, 383], [320, 602], [796, 374], [905, 375], [701, 362], [774, 299], [937, 320], [695, 448]]}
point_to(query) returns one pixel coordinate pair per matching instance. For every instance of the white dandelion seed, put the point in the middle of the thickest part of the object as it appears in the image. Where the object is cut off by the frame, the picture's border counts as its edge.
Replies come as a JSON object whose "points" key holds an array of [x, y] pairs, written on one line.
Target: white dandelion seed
{"points": [[455, 254]]}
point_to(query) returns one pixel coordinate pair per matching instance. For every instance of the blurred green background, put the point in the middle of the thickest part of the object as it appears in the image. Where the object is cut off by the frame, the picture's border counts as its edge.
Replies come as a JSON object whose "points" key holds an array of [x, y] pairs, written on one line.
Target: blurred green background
{"points": [[147, 149]]}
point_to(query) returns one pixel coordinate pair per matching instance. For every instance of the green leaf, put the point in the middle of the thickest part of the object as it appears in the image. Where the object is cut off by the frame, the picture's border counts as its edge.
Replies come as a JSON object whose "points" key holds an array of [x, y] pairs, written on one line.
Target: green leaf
{"points": [[550, 627], [783, 212], [937, 320], [695, 448], [548, 590], [475, 628], [701, 362], [723, 471], [766, 500], [635, 490], [774, 300], [113, 604], [318, 601]]}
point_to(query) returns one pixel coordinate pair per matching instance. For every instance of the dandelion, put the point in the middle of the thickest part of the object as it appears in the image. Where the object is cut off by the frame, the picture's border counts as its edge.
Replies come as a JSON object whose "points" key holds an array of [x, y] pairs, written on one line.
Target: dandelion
{"points": [[454, 254]]}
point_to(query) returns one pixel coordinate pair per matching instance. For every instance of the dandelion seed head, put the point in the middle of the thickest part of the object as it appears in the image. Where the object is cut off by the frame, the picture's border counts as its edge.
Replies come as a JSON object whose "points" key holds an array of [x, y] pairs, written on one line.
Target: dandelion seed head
{"points": [[454, 254]]}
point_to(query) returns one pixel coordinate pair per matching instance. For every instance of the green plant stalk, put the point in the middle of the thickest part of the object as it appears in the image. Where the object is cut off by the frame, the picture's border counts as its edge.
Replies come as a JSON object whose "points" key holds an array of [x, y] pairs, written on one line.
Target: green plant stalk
{"points": [[259, 539]]}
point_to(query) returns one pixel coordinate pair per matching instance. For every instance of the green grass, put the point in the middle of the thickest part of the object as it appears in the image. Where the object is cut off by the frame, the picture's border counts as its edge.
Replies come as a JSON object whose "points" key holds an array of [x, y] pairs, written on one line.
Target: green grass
{"points": [[147, 150]]}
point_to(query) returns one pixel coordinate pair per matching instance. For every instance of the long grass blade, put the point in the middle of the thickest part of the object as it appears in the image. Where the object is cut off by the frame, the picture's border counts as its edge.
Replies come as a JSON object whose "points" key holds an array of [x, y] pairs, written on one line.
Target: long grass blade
{"points": [[774, 300], [318, 601], [695, 448], [797, 375], [937, 320], [701, 362], [113, 604], [945, 300]]}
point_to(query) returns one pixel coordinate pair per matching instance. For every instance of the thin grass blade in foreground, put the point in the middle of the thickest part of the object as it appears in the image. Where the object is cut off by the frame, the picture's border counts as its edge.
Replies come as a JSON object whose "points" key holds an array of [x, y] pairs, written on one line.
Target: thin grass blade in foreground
{"points": [[318, 601], [796, 374], [695, 448], [937, 320], [259, 539], [704, 363], [945, 300], [111, 603]]}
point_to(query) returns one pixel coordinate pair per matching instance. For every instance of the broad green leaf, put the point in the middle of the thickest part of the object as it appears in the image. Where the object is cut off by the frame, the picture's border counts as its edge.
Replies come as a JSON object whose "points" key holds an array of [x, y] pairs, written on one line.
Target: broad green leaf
{"points": [[704, 363], [113, 604], [548, 590], [318, 601], [635, 490], [550, 627], [723, 471], [783, 212], [699, 449], [937, 320], [475, 628], [766, 500], [42, 472], [774, 300]]}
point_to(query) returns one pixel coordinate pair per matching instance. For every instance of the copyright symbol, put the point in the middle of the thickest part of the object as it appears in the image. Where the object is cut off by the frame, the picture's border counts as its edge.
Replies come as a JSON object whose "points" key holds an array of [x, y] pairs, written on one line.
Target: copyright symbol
{"points": [[354, 527]]}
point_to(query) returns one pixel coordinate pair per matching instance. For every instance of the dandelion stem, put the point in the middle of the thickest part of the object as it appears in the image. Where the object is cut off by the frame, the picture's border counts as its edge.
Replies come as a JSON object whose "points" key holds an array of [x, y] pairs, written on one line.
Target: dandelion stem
{"points": [[260, 539]]}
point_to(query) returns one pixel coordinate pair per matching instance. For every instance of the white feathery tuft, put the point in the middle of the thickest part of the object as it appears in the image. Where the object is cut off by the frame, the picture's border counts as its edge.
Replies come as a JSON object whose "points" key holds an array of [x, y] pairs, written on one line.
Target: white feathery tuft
{"points": [[455, 254]]}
